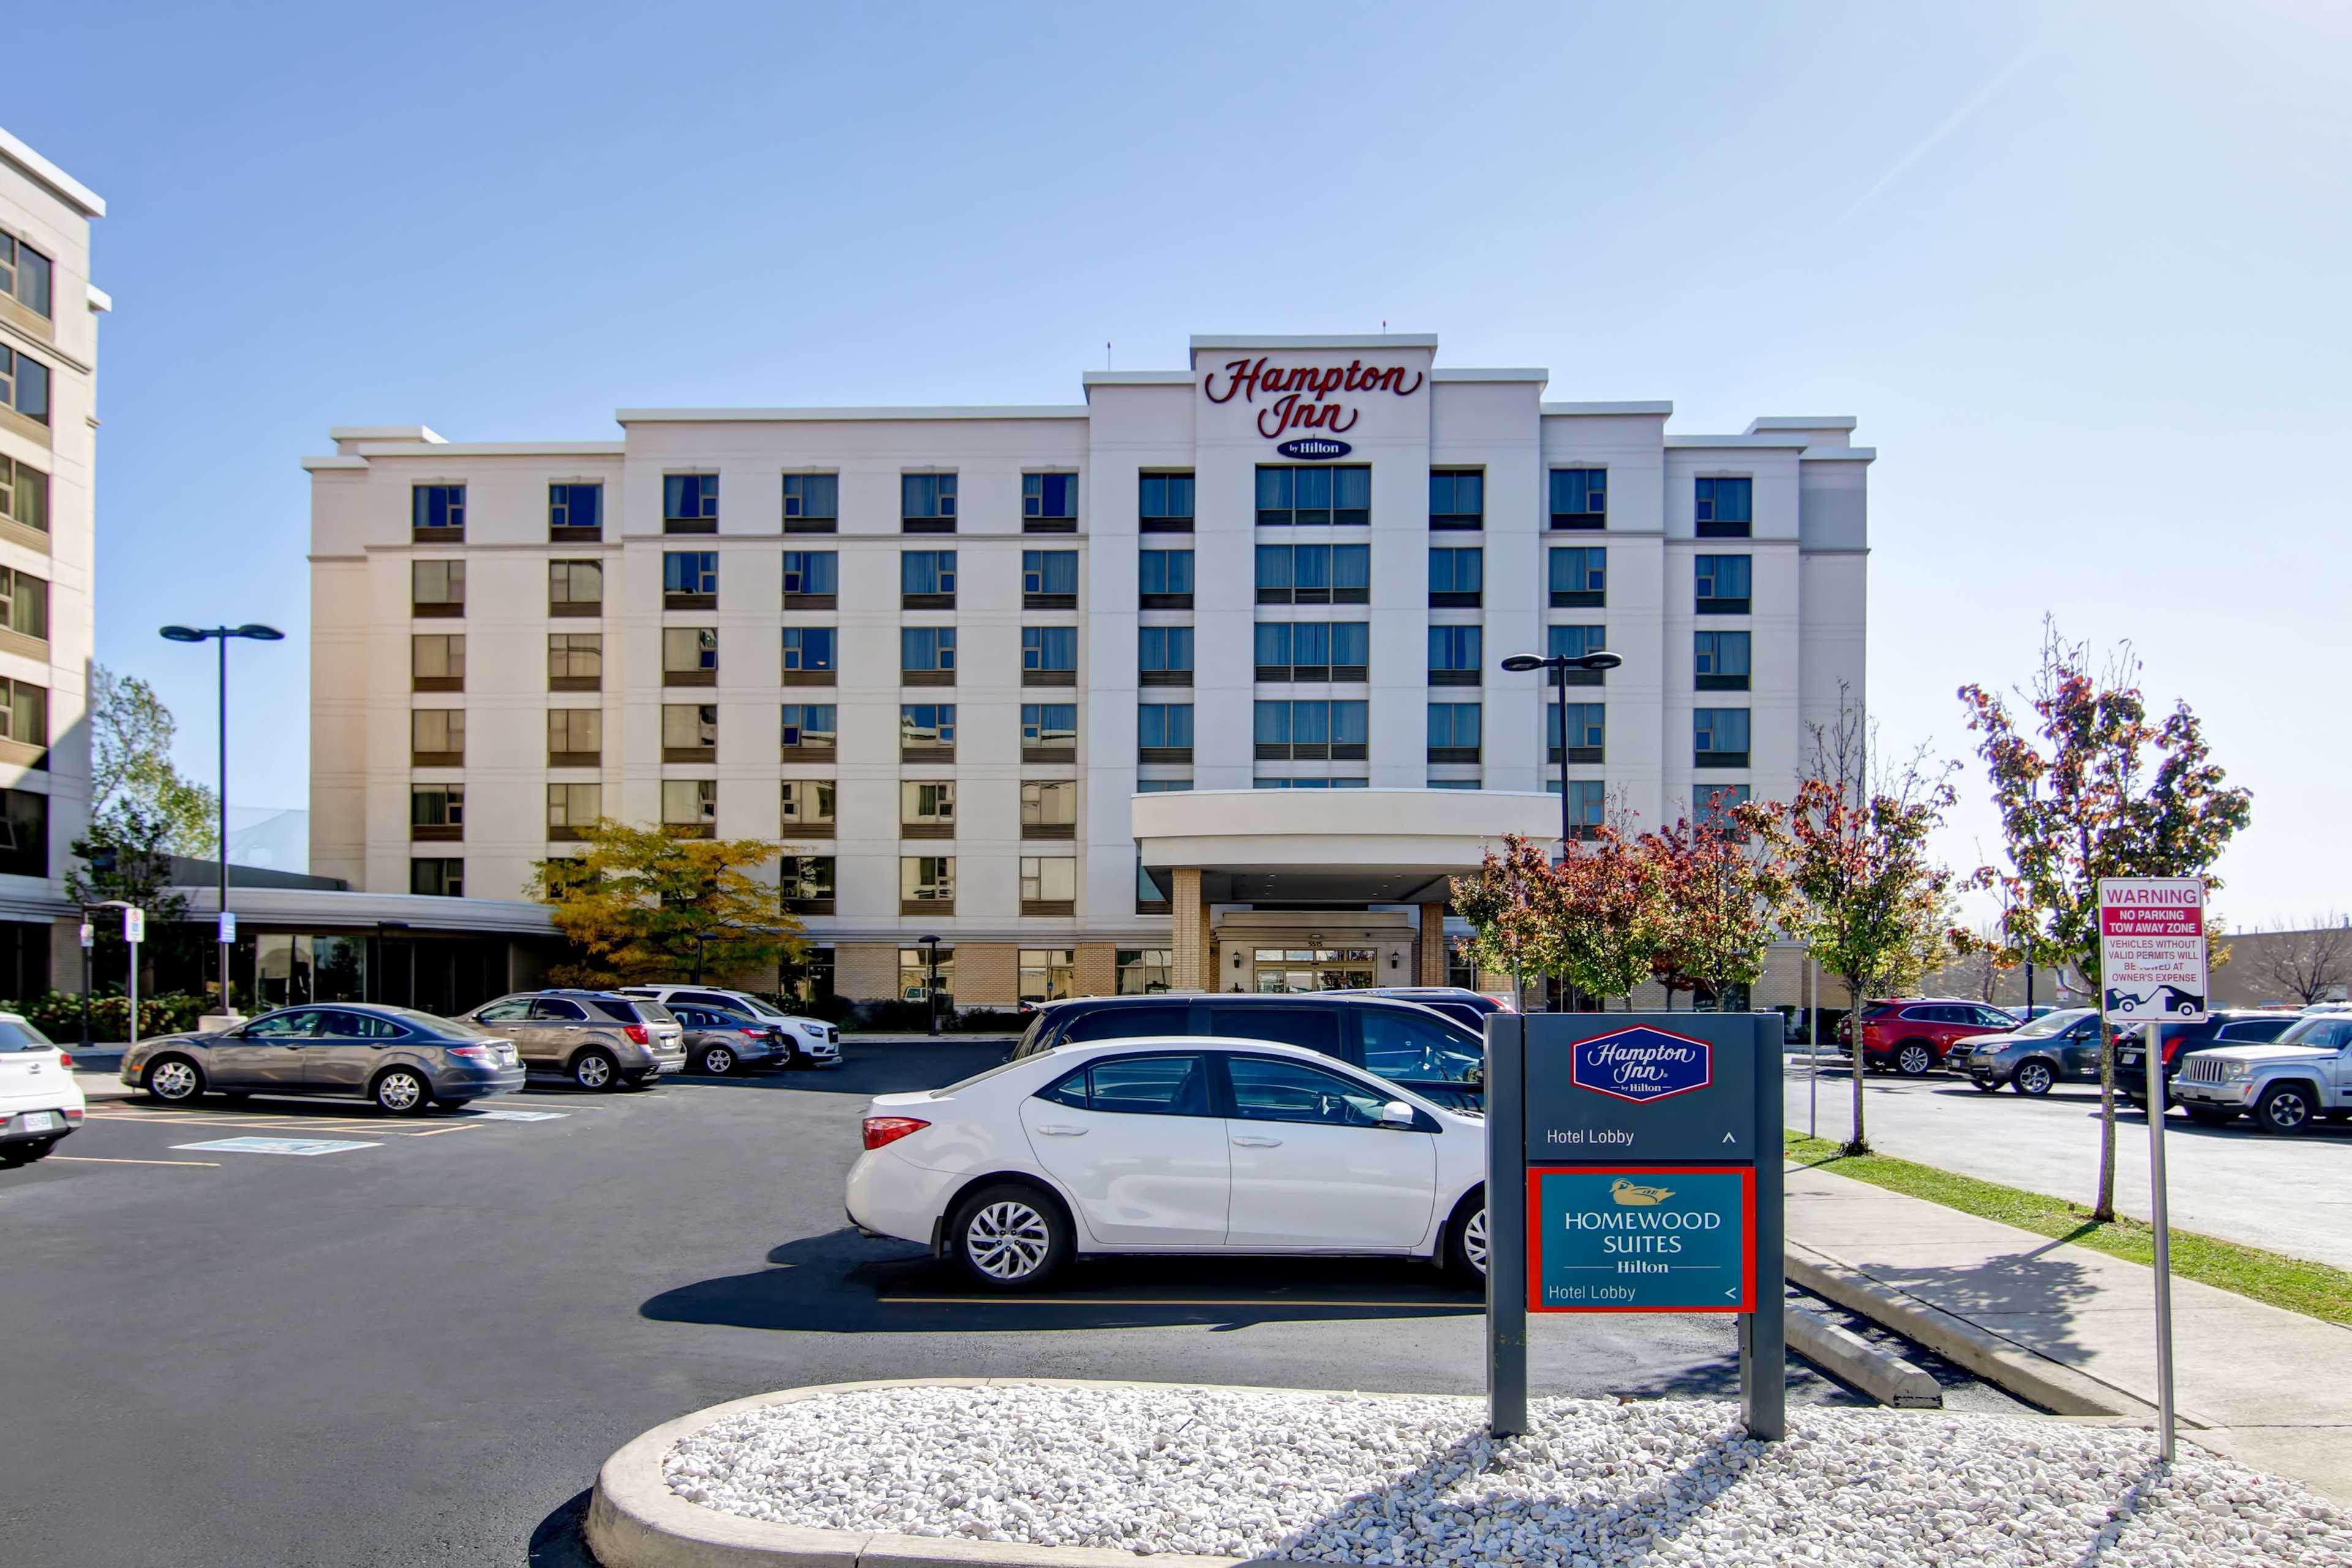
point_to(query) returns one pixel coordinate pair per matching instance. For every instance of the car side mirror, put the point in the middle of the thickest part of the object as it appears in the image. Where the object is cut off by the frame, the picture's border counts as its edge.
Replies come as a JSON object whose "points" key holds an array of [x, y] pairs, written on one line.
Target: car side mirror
{"points": [[1396, 1113]]}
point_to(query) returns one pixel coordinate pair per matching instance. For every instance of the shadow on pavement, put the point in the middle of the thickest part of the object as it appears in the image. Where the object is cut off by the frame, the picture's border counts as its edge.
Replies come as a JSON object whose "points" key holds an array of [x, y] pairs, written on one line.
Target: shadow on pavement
{"points": [[558, 1543], [896, 1068]]}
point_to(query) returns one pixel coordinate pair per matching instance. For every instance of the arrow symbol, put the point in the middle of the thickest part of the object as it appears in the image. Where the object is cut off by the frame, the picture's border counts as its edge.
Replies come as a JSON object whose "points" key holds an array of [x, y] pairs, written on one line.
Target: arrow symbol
{"points": [[1731, 1138], [1732, 1294]]}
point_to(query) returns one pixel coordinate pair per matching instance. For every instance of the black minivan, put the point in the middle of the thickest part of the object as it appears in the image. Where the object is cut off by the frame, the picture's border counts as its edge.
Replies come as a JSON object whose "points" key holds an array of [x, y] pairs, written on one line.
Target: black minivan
{"points": [[1425, 1051]]}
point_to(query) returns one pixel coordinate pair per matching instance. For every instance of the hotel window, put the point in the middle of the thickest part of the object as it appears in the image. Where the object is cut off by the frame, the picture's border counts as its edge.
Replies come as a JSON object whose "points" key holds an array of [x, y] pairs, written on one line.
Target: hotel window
{"points": [[805, 808], [690, 503], [1163, 656], [1164, 732], [1315, 573], [927, 656], [1163, 786], [927, 808], [1150, 897], [1311, 731], [690, 580], [1145, 971], [1724, 584], [690, 655], [436, 512], [23, 386], [437, 589], [811, 579], [1587, 731], [1049, 503], [23, 496], [1580, 498], [1047, 975], [1724, 509], [561, 874], [1456, 578], [24, 604], [575, 737], [805, 883], [26, 275], [437, 737], [1049, 579], [1164, 503], [436, 662], [927, 731], [24, 719], [1580, 578], [1049, 808], [1049, 655], [1049, 885], [690, 807], [1454, 656], [927, 503], [1325, 784], [1049, 731], [1720, 738], [1719, 660], [1716, 803], [1458, 499], [1453, 732], [1575, 642], [811, 503], [575, 513], [571, 808], [1454, 783], [809, 656], [926, 884], [576, 662], [24, 832], [1164, 578], [689, 732], [437, 877], [1310, 498], [576, 588], [437, 813], [1313, 650], [808, 730], [916, 970], [1588, 806], [926, 580]]}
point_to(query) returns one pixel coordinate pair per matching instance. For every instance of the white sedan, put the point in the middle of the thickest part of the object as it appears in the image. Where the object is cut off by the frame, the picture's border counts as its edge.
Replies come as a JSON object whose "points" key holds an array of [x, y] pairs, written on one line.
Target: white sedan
{"points": [[1180, 1145]]}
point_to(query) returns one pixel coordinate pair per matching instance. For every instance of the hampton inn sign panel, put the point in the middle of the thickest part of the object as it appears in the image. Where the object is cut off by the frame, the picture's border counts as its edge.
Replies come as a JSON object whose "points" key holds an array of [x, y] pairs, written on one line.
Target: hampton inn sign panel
{"points": [[1328, 397]]}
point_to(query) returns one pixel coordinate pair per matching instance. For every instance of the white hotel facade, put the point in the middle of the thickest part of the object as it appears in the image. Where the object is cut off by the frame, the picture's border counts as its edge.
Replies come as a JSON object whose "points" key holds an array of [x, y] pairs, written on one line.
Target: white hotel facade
{"points": [[1194, 682]]}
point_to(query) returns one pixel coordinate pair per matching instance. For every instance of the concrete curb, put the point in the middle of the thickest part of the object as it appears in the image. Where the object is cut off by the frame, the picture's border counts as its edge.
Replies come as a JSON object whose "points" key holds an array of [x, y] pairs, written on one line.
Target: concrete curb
{"points": [[1847, 1356]]}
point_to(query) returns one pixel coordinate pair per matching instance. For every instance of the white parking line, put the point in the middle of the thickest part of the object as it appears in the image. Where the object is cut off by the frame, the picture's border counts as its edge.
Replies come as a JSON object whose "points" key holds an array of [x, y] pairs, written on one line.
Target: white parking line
{"points": [[101, 1160], [278, 1145], [518, 1115]]}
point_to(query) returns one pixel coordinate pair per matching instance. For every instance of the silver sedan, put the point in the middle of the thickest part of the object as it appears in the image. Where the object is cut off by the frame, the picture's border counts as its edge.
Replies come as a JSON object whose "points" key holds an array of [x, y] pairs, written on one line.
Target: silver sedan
{"points": [[403, 1061]]}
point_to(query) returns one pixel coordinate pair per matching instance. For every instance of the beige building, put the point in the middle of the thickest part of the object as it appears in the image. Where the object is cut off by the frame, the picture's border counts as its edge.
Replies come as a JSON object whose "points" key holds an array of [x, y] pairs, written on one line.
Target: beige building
{"points": [[48, 461]]}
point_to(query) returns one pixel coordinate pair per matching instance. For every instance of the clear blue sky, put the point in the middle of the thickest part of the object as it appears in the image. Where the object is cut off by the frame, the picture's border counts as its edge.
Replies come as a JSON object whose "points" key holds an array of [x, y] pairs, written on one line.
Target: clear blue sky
{"points": [[2078, 269]]}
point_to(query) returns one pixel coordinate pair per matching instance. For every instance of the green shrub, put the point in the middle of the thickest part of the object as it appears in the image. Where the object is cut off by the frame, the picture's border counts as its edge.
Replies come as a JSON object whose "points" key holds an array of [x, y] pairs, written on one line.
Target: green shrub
{"points": [[990, 1021], [57, 1015]]}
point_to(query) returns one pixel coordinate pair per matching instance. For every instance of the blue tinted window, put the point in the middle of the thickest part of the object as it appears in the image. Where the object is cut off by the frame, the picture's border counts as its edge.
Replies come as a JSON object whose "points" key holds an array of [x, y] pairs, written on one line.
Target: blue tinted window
{"points": [[1049, 648], [1725, 501], [1049, 571], [1588, 723], [1352, 642], [1049, 723], [1588, 801], [1575, 641], [1275, 563], [1455, 571], [1165, 570], [1723, 577], [927, 723], [1457, 495], [1273, 643], [808, 725], [812, 494], [1049, 495], [689, 572], [1454, 724], [927, 495], [1165, 724], [689, 495], [1164, 647], [1720, 653], [1352, 566], [926, 647], [1579, 492], [808, 648], [927, 572], [812, 572], [1453, 648], [437, 506], [1720, 729], [575, 506], [1351, 723], [1165, 495], [1580, 571]]}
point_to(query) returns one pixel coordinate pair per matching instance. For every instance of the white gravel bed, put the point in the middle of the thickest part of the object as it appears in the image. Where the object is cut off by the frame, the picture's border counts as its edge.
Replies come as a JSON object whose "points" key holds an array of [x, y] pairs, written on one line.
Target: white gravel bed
{"points": [[1359, 1478]]}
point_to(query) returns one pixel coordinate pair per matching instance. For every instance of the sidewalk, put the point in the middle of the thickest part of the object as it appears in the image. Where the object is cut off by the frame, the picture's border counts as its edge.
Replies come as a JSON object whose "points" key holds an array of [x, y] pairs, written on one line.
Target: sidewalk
{"points": [[2264, 1386]]}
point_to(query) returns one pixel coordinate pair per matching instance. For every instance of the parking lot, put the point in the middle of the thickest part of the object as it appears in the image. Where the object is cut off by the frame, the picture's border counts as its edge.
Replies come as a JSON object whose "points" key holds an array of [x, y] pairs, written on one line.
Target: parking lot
{"points": [[415, 1344]]}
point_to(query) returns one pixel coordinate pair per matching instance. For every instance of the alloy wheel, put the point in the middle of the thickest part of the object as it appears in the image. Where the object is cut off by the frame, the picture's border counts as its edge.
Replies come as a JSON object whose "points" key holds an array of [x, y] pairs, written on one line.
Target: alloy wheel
{"points": [[400, 1091], [2033, 1078], [1007, 1240], [593, 1072], [1915, 1060], [2287, 1110], [718, 1060], [173, 1080], [1474, 1241]]}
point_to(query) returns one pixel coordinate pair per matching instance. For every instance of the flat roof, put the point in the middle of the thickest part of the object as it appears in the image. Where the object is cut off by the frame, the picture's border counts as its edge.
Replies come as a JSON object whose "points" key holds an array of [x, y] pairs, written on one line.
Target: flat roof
{"points": [[67, 189], [1663, 408], [751, 415], [1337, 341]]}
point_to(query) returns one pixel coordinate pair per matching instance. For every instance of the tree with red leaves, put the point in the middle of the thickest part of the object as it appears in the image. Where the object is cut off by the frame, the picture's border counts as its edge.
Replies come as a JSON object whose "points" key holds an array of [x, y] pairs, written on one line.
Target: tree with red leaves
{"points": [[1725, 892]]}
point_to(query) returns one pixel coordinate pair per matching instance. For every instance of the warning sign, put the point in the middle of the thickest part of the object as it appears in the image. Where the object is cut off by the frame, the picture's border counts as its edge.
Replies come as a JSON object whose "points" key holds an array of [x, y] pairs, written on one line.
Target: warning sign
{"points": [[2152, 949]]}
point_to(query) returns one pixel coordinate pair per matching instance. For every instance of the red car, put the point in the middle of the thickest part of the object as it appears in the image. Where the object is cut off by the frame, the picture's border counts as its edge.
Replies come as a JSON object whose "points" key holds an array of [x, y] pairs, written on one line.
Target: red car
{"points": [[1915, 1035]]}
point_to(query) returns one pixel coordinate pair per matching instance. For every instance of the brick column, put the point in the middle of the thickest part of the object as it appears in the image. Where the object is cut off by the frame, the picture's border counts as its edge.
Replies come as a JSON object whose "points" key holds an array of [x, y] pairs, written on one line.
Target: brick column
{"points": [[1191, 918], [1433, 944], [1098, 969]]}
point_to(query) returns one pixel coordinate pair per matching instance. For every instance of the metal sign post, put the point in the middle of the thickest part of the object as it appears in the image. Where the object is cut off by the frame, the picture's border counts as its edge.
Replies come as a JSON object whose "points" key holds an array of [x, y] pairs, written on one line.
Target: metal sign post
{"points": [[2152, 970], [134, 932]]}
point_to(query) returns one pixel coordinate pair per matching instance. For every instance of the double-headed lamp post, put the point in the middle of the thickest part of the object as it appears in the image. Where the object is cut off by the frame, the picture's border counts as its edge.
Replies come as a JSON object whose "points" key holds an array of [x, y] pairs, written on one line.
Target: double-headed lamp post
{"points": [[930, 984], [222, 634], [1560, 664]]}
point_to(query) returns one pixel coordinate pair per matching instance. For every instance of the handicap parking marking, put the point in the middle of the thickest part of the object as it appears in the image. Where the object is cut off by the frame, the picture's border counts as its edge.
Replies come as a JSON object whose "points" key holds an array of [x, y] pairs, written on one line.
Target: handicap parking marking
{"points": [[278, 1145], [518, 1115]]}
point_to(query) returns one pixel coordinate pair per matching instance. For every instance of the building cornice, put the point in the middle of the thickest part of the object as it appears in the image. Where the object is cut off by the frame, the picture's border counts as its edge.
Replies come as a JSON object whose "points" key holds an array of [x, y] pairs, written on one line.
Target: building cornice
{"points": [[64, 186], [44, 349], [1460, 373], [1336, 341], [870, 416], [1573, 410]]}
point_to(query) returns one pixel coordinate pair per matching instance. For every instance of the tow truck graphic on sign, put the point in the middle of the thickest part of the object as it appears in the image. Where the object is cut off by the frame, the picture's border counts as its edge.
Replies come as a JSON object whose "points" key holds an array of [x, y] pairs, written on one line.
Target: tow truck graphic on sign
{"points": [[1641, 1064]]}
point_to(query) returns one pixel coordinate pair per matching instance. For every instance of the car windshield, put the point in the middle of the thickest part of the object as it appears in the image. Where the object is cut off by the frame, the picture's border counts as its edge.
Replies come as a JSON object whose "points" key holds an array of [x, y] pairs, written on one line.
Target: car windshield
{"points": [[16, 1034], [980, 1077], [2324, 1033], [2053, 1023]]}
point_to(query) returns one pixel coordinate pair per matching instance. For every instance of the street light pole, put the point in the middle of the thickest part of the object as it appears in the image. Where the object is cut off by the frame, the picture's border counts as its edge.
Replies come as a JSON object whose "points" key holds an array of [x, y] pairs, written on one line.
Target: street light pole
{"points": [[226, 934], [1560, 664], [930, 984]]}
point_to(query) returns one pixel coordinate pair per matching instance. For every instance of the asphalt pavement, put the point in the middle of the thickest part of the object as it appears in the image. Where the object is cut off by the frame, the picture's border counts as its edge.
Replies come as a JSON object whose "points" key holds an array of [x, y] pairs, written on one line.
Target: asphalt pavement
{"points": [[417, 1344], [2292, 1196]]}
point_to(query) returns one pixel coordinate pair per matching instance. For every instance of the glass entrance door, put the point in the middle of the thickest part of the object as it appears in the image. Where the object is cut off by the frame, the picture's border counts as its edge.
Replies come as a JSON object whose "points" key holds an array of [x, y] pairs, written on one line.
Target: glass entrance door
{"points": [[1281, 970]]}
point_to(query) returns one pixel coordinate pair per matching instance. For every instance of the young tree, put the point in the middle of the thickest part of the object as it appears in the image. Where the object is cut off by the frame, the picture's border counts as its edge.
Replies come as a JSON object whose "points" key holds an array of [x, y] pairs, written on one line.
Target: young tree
{"points": [[126, 855], [2096, 788], [1507, 903], [2310, 960], [643, 904], [131, 769], [1610, 915], [1724, 893]]}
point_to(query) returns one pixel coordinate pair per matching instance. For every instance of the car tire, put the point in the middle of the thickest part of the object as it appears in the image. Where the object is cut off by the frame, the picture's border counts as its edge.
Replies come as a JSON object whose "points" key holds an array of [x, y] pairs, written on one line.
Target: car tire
{"points": [[1466, 1239], [2210, 1115], [2287, 1109], [1009, 1236], [14, 1154], [595, 1069], [174, 1081], [716, 1061], [401, 1091], [2034, 1076], [1914, 1058]]}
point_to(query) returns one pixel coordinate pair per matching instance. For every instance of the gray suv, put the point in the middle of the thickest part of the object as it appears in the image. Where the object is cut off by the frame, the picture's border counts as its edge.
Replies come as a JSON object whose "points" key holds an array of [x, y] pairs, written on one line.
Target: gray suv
{"points": [[597, 1040]]}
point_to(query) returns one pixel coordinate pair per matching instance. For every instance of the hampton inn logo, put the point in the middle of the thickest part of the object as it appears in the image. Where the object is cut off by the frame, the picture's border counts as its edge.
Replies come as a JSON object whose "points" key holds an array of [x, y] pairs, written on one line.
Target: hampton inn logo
{"points": [[1298, 396], [1641, 1064]]}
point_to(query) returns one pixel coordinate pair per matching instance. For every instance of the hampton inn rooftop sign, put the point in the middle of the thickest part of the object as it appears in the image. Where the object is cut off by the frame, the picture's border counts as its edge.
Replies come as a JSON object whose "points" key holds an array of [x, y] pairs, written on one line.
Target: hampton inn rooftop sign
{"points": [[1298, 396]]}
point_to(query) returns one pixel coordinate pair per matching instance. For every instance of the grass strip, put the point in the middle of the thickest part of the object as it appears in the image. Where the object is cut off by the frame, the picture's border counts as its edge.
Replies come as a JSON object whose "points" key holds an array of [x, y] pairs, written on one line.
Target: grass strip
{"points": [[2315, 1289]]}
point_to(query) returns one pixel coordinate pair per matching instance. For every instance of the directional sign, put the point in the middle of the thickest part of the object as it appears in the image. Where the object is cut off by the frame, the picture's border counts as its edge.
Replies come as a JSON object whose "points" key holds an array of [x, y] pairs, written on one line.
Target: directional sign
{"points": [[135, 925], [228, 927], [1640, 1238], [2152, 949]]}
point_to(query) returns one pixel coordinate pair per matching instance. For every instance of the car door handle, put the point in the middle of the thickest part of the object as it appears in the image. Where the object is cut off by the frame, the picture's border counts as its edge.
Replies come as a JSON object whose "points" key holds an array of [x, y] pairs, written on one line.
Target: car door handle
{"points": [[1259, 1142], [1058, 1130]]}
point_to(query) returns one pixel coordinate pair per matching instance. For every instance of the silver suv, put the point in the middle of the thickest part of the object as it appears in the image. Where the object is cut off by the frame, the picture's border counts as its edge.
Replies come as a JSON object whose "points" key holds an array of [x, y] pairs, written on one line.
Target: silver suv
{"points": [[807, 1042], [598, 1039]]}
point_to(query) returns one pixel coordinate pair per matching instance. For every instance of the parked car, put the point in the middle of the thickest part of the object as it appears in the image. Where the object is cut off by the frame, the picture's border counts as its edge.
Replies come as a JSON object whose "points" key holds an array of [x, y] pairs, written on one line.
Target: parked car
{"points": [[2057, 1048], [405, 1061], [2183, 1040], [39, 1101], [815, 1042], [599, 1039], [1459, 1002], [1914, 1035], [2304, 1076], [1439, 1059], [2166, 998], [1171, 1144], [719, 1043]]}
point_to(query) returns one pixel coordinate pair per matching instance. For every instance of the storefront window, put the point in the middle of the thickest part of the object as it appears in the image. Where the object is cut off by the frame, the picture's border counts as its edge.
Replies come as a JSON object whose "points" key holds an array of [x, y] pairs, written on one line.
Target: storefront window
{"points": [[914, 973], [1282, 970], [1047, 974], [1143, 971]]}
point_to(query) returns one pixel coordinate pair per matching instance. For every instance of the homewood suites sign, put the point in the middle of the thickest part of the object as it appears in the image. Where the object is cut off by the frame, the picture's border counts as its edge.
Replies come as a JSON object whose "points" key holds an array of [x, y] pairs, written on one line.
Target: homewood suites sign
{"points": [[1300, 396]]}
